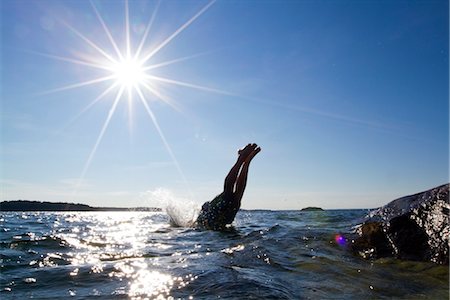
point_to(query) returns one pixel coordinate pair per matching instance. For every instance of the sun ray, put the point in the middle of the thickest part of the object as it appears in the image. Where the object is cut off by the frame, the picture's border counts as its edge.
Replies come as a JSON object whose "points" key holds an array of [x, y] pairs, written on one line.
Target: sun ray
{"points": [[127, 29], [326, 114], [77, 85], [177, 32], [71, 60], [173, 61], [266, 102], [163, 138], [89, 42], [91, 104], [130, 108], [147, 30], [191, 85], [108, 33], [156, 93], [100, 136]]}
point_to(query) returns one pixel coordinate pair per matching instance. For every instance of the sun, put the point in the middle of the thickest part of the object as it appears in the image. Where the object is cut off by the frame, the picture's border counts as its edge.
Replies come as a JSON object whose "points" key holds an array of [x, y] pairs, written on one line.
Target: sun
{"points": [[126, 66], [128, 73]]}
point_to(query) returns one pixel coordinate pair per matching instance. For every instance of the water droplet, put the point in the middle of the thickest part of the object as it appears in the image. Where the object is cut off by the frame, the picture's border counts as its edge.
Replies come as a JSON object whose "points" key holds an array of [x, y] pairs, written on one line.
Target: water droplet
{"points": [[29, 280]]}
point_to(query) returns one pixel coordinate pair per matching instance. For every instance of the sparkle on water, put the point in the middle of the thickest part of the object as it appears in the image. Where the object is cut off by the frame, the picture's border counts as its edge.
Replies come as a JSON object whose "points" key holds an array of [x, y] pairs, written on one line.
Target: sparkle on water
{"points": [[105, 241]]}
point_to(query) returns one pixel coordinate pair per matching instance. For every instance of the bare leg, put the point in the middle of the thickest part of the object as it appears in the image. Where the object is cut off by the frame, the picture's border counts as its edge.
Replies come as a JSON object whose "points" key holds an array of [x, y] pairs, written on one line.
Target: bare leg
{"points": [[241, 182], [219, 212], [230, 180]]}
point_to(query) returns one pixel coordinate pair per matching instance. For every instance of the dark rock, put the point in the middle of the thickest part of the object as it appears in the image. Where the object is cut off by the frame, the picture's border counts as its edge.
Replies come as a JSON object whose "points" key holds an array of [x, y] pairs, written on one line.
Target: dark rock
{"points": [[371, 234], [414, 227]]}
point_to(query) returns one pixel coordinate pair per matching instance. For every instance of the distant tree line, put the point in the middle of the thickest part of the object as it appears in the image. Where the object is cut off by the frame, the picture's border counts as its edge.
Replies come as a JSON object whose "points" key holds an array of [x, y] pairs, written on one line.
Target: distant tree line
{"points": [[27, 205]]}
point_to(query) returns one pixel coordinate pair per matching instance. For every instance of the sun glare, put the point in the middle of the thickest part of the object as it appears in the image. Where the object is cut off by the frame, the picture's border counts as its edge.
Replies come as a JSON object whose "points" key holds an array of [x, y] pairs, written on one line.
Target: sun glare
{"points": [[128, 70], [128, 73]]}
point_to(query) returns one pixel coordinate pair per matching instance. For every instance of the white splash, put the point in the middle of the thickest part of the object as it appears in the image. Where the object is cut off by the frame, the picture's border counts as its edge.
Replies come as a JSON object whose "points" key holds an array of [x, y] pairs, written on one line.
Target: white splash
{"points": [[181, 211]]}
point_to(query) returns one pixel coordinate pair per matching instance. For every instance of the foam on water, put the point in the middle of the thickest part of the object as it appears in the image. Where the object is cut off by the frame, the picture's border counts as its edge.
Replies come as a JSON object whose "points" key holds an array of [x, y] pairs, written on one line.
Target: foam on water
{"points": [[182, 212]]}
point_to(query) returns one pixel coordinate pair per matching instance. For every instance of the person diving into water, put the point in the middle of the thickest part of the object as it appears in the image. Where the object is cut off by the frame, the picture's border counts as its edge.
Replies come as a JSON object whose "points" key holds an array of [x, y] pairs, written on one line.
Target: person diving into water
{"points": [[220, 212]]}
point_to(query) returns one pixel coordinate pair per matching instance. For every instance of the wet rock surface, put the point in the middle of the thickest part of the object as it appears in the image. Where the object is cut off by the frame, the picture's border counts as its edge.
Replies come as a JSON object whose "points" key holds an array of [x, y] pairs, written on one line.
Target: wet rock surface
{"points": [[414, 227]]}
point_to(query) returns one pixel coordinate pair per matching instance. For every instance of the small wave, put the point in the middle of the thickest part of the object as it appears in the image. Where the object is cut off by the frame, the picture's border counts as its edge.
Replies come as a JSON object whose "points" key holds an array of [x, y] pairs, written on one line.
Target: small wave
{"points": [[236, 282], [44, 242]]}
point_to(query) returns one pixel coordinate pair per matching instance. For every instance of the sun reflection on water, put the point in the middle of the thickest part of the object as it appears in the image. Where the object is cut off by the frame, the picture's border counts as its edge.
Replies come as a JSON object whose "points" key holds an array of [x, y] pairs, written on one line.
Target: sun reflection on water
{"points": [[146, 283], [131, 249], [117, 244]]}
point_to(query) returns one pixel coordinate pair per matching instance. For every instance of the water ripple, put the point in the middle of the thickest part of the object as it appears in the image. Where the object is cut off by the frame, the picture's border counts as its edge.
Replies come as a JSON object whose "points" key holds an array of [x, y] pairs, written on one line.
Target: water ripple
{"points": [[277, 255]]}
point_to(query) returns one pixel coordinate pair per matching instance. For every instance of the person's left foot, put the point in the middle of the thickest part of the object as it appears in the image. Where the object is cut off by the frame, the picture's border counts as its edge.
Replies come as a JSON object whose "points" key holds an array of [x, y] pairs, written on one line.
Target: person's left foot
{"points": [[245, 152]]}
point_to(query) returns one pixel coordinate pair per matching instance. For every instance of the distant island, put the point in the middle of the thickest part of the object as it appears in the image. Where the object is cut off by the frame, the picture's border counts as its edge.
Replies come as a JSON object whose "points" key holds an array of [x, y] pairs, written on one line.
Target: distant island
{"points": [[27, 205], [311, 208]]}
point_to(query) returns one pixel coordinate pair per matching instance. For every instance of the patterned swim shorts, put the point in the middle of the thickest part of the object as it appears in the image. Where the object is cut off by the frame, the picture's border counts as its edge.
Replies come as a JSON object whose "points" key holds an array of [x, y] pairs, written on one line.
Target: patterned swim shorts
{"points": [[218, 213]]}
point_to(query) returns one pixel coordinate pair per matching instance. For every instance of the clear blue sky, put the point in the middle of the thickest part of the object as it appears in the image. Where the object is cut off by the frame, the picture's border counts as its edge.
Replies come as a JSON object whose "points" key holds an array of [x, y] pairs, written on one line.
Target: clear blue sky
{"points": [[349, 101]]}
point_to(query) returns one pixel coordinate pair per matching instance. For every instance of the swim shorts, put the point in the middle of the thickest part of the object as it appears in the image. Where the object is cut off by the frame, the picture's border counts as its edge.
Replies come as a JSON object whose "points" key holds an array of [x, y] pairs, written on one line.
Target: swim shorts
{"points": [[217, 213]]}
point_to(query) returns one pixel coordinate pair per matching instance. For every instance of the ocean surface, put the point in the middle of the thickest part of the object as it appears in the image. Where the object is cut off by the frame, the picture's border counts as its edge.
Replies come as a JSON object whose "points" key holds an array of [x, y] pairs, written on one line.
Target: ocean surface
{"points": [[138, 255]]}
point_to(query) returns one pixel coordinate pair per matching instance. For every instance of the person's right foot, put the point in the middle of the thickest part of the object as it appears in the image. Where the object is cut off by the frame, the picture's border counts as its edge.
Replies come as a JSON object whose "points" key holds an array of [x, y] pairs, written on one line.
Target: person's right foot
{"points": [[252, 154]]}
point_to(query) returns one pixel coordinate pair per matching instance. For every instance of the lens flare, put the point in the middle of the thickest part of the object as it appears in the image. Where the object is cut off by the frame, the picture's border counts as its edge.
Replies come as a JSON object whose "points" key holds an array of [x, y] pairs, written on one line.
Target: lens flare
{"points": [[340, 240]]}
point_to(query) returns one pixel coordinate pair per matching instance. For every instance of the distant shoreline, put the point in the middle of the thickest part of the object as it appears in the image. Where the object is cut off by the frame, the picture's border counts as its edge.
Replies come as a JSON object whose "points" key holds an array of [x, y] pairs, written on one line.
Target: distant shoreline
{"points": [[29, 205], [34, 205]]}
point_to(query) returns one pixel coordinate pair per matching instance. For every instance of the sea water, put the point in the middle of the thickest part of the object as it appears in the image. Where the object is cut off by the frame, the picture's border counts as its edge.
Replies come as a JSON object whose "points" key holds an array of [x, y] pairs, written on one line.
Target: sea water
{"points": [[265, 255]]}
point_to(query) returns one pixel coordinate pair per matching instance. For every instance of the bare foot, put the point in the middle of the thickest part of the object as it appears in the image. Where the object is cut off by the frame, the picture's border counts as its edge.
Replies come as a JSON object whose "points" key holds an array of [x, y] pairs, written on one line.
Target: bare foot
{"points": [[252, 154], [245, 152]]}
